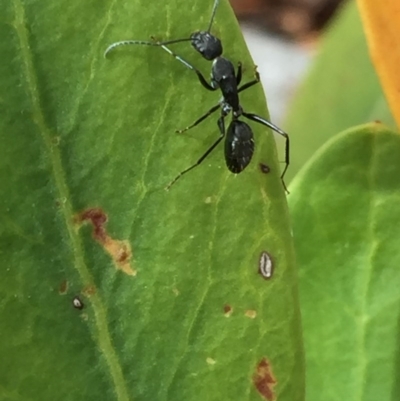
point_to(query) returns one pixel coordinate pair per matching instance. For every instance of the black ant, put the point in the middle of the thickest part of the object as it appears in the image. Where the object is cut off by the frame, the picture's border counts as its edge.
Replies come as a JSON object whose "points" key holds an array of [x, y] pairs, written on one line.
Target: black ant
{"points": [[239, 143]]}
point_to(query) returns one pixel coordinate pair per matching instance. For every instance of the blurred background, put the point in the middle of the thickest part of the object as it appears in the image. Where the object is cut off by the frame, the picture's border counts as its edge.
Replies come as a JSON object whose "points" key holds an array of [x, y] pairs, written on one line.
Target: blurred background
{"points": [[315, 68], [282, 36]]}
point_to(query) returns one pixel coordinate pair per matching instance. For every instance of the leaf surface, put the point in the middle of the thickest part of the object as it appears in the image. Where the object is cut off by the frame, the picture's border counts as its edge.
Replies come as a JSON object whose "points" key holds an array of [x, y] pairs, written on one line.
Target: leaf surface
{"points": [[345, 210], [174, 307]]}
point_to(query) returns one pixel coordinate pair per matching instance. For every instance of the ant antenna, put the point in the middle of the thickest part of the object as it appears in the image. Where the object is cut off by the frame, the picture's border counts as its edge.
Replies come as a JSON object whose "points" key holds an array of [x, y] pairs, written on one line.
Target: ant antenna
{"points": [[216, 2], [198, 39], [142, 42]]}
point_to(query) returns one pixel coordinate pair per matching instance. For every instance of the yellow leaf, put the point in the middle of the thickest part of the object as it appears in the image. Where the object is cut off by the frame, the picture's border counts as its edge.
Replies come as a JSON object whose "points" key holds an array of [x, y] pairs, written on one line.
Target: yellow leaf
{"points": [[381, 21]]}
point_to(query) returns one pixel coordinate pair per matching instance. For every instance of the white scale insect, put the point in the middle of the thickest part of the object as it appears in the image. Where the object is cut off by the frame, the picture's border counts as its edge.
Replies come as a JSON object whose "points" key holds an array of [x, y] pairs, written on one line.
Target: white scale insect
{"points": [[266, 267]]}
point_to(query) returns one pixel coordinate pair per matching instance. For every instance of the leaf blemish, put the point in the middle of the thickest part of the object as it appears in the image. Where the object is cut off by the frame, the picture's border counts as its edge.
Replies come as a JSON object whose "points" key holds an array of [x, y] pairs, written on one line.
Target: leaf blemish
{"points": [[89, 290], [119, 250], [84, 317], [265, 265], [264, 168], [228, 310], [211, 361], [264, 380], [77, 303], [56, 140], [63, 288], [252, 314], [59, 202]]}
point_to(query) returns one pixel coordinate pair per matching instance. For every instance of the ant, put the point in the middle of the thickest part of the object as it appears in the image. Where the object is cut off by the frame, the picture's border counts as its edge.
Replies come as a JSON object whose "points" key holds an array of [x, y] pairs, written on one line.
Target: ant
{"points": [[239, 143]]}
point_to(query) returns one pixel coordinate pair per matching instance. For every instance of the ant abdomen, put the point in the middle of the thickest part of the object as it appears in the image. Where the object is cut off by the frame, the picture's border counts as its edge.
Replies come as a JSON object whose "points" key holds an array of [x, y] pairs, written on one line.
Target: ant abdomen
{"points": [[239, 146]]}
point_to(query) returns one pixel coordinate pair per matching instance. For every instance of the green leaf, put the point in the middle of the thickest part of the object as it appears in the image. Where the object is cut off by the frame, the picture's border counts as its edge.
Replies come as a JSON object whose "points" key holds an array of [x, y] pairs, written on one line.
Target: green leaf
{"points": [[340, 91], [174, 307], [345, 209]]}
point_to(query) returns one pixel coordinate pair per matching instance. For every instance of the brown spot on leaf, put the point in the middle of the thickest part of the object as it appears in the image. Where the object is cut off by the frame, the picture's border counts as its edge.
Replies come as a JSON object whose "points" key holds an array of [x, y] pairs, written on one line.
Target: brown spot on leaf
{"points": [[59, 202], [63, 288], [56, 140], [264, 380], [264, 168], [89, 290], [251, 314], [119, 250], [122, 256], [228, 310]]}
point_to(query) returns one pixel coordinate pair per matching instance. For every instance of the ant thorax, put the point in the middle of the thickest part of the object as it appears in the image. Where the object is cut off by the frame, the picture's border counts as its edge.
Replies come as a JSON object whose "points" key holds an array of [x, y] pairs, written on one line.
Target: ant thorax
{"points": [[237, 113], [222, 69], [226, 108]]}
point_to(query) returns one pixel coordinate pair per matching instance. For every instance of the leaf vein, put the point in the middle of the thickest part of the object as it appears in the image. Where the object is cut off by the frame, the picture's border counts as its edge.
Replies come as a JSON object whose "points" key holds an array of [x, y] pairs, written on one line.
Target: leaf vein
{"points": [[103, 336]]}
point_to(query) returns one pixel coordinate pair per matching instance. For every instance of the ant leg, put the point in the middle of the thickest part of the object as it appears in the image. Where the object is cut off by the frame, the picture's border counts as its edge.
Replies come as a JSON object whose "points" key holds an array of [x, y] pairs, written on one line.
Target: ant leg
{"points": [[221, 126], [251, 83], [263, 121], [198, 121], [248, 85], [239, 74], [202, 80]]}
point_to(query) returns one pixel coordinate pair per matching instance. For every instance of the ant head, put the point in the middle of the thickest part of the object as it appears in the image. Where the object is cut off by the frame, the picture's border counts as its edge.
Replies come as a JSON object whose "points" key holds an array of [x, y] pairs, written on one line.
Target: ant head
{"points": [[209, 46]]}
